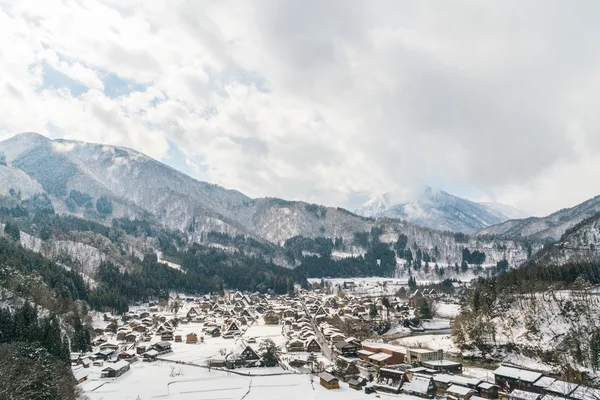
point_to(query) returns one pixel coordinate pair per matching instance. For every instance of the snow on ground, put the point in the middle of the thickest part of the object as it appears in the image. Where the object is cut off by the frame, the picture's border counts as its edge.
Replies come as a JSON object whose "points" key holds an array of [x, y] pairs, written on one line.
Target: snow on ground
{"points": [[371, 286], [154, 381], [435, 324], [480, 373], [447, 310], [429, 341], [169, 263]]}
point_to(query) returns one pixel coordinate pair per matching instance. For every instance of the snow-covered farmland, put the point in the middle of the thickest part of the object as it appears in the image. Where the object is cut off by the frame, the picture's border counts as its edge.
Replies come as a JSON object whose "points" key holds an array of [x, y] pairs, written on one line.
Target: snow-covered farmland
{"points": [[154, 381]]}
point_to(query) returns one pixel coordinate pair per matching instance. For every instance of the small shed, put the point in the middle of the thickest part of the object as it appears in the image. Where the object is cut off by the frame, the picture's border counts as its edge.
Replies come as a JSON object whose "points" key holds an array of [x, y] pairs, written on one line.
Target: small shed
{"points": [[329, 381]]}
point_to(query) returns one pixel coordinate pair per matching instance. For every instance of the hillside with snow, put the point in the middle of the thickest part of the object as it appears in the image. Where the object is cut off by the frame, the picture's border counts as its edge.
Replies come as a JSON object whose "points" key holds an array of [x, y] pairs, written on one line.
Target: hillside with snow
{"points": [[434, 209], [111, 182]]}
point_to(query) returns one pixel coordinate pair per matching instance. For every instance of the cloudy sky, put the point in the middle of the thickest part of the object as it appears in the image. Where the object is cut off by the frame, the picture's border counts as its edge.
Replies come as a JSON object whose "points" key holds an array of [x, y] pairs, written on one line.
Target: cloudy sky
{"points": [[324, 101]]}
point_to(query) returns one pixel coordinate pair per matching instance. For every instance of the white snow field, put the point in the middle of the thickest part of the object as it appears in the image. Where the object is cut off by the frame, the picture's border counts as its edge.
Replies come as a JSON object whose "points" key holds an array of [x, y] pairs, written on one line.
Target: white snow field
{"points": [[147, 381]]}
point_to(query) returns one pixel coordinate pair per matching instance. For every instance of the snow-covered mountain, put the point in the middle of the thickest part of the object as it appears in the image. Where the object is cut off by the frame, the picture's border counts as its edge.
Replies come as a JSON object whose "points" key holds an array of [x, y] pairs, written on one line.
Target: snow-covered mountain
{"points": [[549, 228], [139, 187], [434, 209], [509, 211]]}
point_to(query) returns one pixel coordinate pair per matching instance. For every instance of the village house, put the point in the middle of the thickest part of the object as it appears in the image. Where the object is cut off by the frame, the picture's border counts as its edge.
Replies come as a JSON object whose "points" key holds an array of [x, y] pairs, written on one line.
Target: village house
{"points": [[80, 375], [346, 349], [311, 345], [488, 390], [356, 384], [419, 356], [162, 347], [444, 366], [390, 380], [329, 381], [382, 354], [507, 377], [420, 385], [191, 338], [460, 392], [114, 370], [127, 355], [104, 354], [444, 381]]}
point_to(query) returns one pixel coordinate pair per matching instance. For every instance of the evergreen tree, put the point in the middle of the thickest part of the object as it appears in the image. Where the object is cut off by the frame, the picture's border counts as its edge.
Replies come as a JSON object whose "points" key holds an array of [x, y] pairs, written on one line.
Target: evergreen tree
{"points": [[12, 231], [412, 283], [81, 336], [595, 350], [464, 266]]}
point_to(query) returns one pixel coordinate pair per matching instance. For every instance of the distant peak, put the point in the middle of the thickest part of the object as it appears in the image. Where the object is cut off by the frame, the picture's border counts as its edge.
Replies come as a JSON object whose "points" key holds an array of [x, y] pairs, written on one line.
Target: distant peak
{"points": [[30, 136]]}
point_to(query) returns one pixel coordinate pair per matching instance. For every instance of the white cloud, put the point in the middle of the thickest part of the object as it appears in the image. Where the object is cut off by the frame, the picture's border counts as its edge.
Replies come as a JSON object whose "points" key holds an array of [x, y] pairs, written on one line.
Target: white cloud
{"points": [[322, 101]]}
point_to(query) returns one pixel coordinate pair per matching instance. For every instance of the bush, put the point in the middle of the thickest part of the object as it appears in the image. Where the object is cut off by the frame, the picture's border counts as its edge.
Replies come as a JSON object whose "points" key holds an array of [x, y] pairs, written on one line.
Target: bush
{"points": [[104, 205]]}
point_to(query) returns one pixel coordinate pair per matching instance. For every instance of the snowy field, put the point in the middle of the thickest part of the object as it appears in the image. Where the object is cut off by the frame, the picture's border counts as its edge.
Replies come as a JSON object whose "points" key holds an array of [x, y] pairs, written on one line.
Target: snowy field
{"points": [[434, 342], [154, 381], [446, 310], [200, 352], [372, 286]]}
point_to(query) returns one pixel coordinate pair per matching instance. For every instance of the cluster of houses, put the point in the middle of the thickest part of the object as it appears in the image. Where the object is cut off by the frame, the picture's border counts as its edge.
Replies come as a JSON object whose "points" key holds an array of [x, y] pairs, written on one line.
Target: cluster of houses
{"points": [[524, 384]]}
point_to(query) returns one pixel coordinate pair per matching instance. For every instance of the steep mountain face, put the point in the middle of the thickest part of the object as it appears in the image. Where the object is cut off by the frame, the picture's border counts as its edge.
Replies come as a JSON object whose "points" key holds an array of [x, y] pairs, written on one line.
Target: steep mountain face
{"points": [[434, 209], [81, 178], [549, 228], [579, 243]]}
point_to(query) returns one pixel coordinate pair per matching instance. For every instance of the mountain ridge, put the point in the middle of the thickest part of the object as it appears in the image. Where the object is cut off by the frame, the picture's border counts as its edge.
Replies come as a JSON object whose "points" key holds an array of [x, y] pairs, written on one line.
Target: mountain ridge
{"points": [[139, 187], [435, 209]]}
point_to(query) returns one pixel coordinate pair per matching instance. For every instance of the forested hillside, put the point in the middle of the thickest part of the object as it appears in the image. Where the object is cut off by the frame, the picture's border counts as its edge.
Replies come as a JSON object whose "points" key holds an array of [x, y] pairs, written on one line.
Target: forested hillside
{"points": [[545, 312]]}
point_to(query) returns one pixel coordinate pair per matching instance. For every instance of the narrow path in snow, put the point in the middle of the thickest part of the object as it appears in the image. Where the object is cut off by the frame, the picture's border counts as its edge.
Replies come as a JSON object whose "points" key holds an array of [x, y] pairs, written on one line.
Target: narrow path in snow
{"points": [[248, 392]]}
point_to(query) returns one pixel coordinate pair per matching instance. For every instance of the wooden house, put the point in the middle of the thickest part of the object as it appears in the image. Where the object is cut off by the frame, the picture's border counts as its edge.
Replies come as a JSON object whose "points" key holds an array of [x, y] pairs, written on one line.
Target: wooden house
{"points": [[510, 378], [390, 380], [162, 347], [114, 370], [329, 381], [311, 345], [420, 386], [80, 375], [460, 392], [355, 384], [191, 338], [488, 390]]}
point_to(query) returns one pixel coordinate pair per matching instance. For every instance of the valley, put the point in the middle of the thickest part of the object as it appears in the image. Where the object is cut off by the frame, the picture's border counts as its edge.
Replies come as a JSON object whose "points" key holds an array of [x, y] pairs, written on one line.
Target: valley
{"points": [[78, 242]]}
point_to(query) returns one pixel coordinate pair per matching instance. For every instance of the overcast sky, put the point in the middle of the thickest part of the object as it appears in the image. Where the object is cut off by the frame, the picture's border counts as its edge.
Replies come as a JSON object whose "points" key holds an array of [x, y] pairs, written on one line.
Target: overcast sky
{"points": [[324, 101]]}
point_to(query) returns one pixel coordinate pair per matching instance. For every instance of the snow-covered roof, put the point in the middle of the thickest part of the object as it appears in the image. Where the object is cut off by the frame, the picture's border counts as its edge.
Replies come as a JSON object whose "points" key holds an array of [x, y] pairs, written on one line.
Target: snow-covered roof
{"points": [[380, 356], [562, 387], [327, 377], [585, 393], [457, 379], [516, 373], [365, 352], [544, 382], [419, 384], [486, 385], [391, 347], [523, 395], [440, 363], [80, 373], [460, 390], [117, 366]]}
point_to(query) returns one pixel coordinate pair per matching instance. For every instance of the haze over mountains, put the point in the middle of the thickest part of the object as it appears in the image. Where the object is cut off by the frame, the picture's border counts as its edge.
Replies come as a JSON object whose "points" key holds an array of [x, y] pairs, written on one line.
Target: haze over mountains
{"points": [[140, 187], [437, 209]]}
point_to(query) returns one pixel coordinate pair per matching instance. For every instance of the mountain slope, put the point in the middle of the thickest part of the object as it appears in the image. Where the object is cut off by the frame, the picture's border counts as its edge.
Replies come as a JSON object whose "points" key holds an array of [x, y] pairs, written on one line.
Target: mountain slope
{"points": [[509, 211], [434, 209], [577, 244], [100, 183], [546, 228]]}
